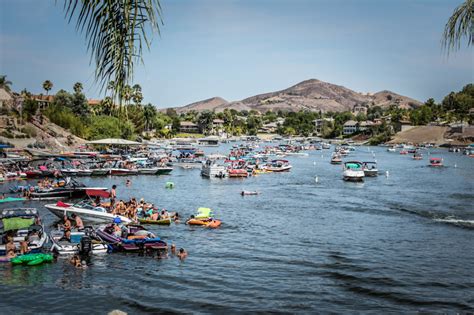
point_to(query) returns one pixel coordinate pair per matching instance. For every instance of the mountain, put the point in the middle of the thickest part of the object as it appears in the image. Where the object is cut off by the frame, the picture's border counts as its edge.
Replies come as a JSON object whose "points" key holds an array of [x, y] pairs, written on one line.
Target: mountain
{"points": [[209, 104], [312, 95]]}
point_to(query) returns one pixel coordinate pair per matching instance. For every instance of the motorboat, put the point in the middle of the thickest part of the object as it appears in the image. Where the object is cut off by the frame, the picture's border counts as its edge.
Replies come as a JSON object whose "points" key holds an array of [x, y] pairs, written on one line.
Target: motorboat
{"points": [[24, 224], [129, 238], [238, 172], [436, 162], [391, 149], [123, 171], [71, 189], [370, 169], [279, 166], [86, 209], [164, 170], [212, 169], [100, 171], [62, 246], [188, 163], [417, 156], [336, 159], [353, 171]]}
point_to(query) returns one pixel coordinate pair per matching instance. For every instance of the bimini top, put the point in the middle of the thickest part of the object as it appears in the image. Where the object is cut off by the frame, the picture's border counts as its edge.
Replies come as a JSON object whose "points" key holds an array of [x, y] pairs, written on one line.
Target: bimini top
{"points": [[352, 164], [19, 212]]}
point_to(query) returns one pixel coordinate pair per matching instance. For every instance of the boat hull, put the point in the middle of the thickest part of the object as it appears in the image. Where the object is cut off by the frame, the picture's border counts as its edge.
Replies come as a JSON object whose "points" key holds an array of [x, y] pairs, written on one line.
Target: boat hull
{"points": [[86, 215]]}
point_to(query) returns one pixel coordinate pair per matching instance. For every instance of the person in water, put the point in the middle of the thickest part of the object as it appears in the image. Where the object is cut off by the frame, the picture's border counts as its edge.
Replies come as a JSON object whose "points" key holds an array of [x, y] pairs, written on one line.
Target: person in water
{"points": [[182, 254], [78, 221], [128, 182], [173, 249], [76, 262]]}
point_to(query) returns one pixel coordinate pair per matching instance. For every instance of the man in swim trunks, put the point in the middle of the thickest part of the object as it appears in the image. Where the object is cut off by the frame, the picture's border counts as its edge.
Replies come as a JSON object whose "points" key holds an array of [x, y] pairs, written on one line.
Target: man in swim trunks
{"points": [[79, 224], [182, 254]]}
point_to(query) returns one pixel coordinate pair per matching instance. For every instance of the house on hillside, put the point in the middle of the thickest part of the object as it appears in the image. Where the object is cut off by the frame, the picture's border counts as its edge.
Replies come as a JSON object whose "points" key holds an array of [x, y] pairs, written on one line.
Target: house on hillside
{"points": [[43, 100], [320, 123], [188, 127], [359, 109], [350, 127], [217, 126], [269, 128], [92, 102]]}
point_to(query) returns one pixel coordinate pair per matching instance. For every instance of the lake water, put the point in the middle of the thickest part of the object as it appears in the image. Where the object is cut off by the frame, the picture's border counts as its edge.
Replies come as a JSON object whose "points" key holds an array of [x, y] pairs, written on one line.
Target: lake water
{"points": [[402, 243]]}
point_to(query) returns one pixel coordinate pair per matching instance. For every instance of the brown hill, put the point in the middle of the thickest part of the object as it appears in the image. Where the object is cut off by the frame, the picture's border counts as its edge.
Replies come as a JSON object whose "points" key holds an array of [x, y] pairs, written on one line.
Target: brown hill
{"points": [[209, 104], [312, 95]]}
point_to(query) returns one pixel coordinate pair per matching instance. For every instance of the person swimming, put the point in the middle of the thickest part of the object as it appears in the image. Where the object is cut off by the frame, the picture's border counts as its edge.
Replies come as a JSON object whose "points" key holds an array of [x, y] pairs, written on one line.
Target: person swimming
{"points": [[182, 254]]}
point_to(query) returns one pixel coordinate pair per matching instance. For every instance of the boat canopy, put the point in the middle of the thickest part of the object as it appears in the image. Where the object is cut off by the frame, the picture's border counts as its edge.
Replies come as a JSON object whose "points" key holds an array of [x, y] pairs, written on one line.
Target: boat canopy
{"points": [[111, 141], [97, 193], [16, 223]]}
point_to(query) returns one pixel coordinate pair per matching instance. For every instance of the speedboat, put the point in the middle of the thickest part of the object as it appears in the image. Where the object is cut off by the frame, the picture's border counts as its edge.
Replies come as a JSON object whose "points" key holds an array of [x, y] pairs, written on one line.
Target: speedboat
{"points": [[71, 189], [86, 210], [370, 169], [391, 149], [436, 162], [188, 163], [65, 247], [279, 166], [353, 171], [23, 223], [130, 238], [336, 159], [211, 169]]}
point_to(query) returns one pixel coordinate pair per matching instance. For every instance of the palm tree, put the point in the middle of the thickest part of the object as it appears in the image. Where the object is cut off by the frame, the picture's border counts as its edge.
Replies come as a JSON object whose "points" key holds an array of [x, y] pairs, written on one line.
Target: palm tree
{"points": [[127, 94], [77, 87], [115, 32], [149, 113], [47, 86], [137, 97], [137, 88], [459, 25], [107, 106], [4, 83]]}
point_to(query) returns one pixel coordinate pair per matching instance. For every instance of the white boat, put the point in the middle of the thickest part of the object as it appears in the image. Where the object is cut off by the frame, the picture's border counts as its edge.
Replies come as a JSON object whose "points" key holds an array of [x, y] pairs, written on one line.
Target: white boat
{"points": [[23, 223], [148, 170], [278, 166], [64, 247], [391, 149], [370, 169], [188, 163], [211, 169], [85, 211], [296, 154], [353, 171]]}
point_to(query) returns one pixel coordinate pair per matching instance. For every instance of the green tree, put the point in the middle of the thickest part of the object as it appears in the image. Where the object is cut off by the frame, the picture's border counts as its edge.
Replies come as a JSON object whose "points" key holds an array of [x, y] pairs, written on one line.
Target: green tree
{"points": [[459, 26], [47, 86], [77, 87], [116, 33], [205, 120], [104, 127], [4, 83]]}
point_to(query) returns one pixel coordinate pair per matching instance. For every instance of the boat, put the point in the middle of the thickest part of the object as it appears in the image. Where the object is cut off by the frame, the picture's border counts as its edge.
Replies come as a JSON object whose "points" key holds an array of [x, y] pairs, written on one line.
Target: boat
{"points": [[211, 141], [417, 156], [123, 171], [188, 163], [147, 170], [63, 247], [132, 238], [86, 209], [436, 162], [211, 169], [279, 166], [370, 169], [23, 223], [71, 189], [403, 152], [204, 217], [100, 172], [238, 172], [249, 193], [391, 149], [164, 170], [353, 171], [336, 159], [166, 221], [11, 199]]}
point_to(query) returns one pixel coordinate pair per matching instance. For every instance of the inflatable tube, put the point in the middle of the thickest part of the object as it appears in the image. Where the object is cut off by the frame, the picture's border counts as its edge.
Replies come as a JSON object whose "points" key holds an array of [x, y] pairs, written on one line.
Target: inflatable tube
{"points": [[214, 224], [35, 262], [169, 185], [197, 222]]}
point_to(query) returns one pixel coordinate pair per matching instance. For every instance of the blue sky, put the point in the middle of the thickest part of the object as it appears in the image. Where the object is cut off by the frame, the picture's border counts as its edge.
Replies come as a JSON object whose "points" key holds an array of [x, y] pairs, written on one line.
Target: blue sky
{"points": [[236, 49]]}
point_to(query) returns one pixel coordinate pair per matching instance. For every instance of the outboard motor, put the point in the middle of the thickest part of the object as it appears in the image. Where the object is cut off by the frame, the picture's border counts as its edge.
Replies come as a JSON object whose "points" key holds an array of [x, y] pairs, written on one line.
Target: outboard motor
{"points": [[85, 249]]}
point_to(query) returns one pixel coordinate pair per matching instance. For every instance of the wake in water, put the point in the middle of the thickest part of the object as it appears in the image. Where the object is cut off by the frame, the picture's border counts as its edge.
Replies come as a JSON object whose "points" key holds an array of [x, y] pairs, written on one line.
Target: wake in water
{"points": [[438, 217]]}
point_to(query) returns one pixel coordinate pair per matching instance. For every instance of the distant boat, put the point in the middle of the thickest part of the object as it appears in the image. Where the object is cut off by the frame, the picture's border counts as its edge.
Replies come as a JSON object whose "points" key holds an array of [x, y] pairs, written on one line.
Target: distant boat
{"points": [[436, 162], [211, 169], [370, 169], [353, 171], [336, 159]]}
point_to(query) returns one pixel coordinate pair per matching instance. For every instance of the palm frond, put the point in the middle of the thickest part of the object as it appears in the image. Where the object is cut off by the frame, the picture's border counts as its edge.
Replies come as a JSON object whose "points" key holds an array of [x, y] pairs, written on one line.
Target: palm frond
{"points": [[459, 25], [115, 31]]}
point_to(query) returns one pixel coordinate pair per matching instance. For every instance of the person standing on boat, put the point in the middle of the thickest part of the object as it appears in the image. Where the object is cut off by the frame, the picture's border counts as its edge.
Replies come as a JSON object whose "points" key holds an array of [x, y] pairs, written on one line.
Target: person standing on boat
{"points": [[67, 224], [79, 224], [113, 196]]}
